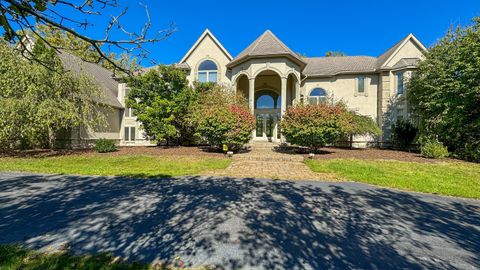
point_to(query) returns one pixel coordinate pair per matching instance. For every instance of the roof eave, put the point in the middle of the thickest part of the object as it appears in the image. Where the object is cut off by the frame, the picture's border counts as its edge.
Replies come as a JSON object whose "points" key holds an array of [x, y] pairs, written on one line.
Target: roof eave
{"points": [[245, 58]]}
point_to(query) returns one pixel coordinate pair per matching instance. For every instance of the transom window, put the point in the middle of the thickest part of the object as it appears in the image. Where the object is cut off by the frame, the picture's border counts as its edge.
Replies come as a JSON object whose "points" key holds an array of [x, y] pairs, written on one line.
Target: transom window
{"points": [[317, 96], [400, 83], [207, 71]]}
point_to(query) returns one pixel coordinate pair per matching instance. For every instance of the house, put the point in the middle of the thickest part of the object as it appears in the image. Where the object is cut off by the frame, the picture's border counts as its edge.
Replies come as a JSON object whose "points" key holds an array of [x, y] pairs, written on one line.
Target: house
{"points": [[273, 78]]}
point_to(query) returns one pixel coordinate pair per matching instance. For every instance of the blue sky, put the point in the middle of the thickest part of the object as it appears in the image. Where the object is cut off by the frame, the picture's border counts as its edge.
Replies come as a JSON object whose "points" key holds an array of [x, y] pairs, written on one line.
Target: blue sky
{"points": [[309, 27]]}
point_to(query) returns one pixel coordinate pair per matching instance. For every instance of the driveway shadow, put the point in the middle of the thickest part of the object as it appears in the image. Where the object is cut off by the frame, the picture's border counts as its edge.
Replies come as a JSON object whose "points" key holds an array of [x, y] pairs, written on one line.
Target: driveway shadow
{"points": [[242, 223]]}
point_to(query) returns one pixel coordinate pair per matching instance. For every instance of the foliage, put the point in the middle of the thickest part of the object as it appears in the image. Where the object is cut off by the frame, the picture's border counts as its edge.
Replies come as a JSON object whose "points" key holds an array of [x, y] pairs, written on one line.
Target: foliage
{"points": [[15, 257], [141, 166], [162, 101], [76, 46], [403, 134], [76, 18], [41, 101], [315, 125], [103, 145], [362, 125], [434, 149], [223, 118], [334, 54], [447, 178], [445, 92]]}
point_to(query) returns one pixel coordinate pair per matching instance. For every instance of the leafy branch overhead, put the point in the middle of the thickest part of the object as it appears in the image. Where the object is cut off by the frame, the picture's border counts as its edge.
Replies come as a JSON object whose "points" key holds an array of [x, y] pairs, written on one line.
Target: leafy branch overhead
{"points": [[17, 17]]}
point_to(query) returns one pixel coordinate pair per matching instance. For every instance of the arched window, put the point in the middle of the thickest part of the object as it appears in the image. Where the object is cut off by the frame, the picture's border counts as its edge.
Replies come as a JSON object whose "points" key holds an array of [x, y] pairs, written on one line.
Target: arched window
{"points": [[317, 96], [207, 71]]}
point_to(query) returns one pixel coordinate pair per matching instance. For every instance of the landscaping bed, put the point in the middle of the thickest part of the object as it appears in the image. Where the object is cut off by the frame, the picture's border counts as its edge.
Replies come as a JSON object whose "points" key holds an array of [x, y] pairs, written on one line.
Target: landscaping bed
{"points": [[124, 150], [370, 154]]}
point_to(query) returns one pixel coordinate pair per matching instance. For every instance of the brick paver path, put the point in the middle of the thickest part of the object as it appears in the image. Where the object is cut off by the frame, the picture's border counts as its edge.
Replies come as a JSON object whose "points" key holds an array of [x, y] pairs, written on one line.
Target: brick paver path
{"points": [[262, 161]]}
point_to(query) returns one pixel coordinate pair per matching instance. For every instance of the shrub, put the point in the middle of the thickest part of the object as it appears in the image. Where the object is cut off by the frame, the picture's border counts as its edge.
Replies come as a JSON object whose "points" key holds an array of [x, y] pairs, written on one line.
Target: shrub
{"points": [[434, 149], [315, 125], [403, 134], [362, 125], [223, 118], [105, 145]]}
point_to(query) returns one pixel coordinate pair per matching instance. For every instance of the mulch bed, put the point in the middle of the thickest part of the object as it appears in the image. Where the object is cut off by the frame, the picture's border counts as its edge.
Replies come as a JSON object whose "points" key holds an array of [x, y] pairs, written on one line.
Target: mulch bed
{"points": [[137, 150], [371, 154]]}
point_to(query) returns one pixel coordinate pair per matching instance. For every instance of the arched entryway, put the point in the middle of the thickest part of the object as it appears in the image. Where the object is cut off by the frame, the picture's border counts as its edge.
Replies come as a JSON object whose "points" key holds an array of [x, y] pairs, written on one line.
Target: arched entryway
{"points": [[269, 93], [267, 114]]}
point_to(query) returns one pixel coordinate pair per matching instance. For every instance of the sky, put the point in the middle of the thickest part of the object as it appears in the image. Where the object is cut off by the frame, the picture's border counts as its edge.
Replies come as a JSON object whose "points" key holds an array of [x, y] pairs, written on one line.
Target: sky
{"points": [[308, 27]]}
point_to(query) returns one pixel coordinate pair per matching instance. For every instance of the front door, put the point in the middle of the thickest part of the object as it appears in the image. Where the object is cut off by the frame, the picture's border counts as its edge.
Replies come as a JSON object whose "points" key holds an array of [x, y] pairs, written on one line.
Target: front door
{"points": [[265, 126]]}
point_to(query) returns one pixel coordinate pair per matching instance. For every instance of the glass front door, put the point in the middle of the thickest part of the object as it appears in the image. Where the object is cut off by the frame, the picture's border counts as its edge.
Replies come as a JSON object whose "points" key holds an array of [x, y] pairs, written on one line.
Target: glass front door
{"points": [[265, 125]]}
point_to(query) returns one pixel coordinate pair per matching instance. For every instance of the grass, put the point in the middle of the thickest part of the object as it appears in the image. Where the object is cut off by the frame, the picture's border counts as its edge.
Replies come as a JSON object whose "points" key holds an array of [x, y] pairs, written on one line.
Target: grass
{"points": [[459, 179], [14, 257], [126, 165]]}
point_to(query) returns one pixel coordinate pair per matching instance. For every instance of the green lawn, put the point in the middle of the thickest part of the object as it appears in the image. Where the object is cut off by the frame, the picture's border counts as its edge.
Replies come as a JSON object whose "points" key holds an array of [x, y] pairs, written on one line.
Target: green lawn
{"points": [[126, 165], [455, 179], [13, 258]]}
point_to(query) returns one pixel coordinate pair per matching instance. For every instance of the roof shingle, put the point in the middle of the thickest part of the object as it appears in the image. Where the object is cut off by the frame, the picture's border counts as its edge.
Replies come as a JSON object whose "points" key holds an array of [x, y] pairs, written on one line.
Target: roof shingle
{"points": [[330, 66], [266, 45]]}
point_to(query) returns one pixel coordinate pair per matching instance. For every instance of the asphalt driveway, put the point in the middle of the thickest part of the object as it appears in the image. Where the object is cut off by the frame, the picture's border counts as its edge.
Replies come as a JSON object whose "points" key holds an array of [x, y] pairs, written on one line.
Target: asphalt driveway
{"points": [[242, 223]]}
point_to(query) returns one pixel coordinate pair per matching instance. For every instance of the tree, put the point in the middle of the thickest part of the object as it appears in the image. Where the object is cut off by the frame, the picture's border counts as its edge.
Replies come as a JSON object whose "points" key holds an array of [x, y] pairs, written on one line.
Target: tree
{"points": [[334, 53], [162, 99], [76, 46], [444, 93], [223, 118], [362, 125], [16, 17], [315, 126], [40, 102]]}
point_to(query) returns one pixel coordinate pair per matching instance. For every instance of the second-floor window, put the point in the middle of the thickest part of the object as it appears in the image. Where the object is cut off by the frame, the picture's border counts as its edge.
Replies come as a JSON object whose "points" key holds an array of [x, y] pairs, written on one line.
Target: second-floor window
{"points": [[129, 112], [361, 84], [207, 71], [400, 86]]}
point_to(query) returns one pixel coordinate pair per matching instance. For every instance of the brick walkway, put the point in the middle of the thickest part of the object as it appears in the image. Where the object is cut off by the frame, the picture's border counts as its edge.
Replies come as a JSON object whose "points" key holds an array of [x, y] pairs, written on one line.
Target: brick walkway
{"points": [[262, 161]]}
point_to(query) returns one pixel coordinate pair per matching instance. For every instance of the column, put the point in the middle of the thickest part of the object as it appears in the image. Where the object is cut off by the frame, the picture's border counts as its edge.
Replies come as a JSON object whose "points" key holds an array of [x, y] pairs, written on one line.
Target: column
{"points": [[297, 92], [251, 94], [283, 96]]}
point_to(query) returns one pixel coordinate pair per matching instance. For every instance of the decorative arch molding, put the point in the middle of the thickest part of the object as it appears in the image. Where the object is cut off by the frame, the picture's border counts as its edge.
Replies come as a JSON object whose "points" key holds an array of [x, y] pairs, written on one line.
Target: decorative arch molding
{"points": [[237, 76], [270, 68], [219, 68], [295, 74]]}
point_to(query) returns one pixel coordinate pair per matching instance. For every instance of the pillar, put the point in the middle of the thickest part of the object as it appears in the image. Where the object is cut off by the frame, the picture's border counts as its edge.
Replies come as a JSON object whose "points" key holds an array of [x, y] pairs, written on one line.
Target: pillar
{"points": [[251, 94], [283, 96]]}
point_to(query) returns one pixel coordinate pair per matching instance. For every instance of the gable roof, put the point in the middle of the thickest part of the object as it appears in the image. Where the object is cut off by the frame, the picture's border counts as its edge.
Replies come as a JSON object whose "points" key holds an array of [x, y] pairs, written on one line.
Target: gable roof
{"points": [[199, 40], [265, 46], [331, 66], [386, 56], [406, 62], [103, 77]]}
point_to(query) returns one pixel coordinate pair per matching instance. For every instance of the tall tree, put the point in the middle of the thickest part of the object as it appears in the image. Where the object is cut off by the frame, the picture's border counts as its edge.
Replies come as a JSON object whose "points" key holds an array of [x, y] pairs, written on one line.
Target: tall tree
{"points": [[161, 99], [445, 91], [39, 102], [16, 17]]}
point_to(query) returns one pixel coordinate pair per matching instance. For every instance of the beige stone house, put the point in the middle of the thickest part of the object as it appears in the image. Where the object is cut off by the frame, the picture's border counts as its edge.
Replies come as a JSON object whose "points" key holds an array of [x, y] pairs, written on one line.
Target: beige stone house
{"points": [[273, 77]]}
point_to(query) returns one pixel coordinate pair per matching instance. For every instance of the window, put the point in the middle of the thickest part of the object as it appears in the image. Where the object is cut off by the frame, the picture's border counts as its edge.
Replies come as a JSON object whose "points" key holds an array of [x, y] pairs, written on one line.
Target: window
{"points": [[129, 134], [400, 83], [361, 85], [317, 96], [207, 71], [129, 112]]}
